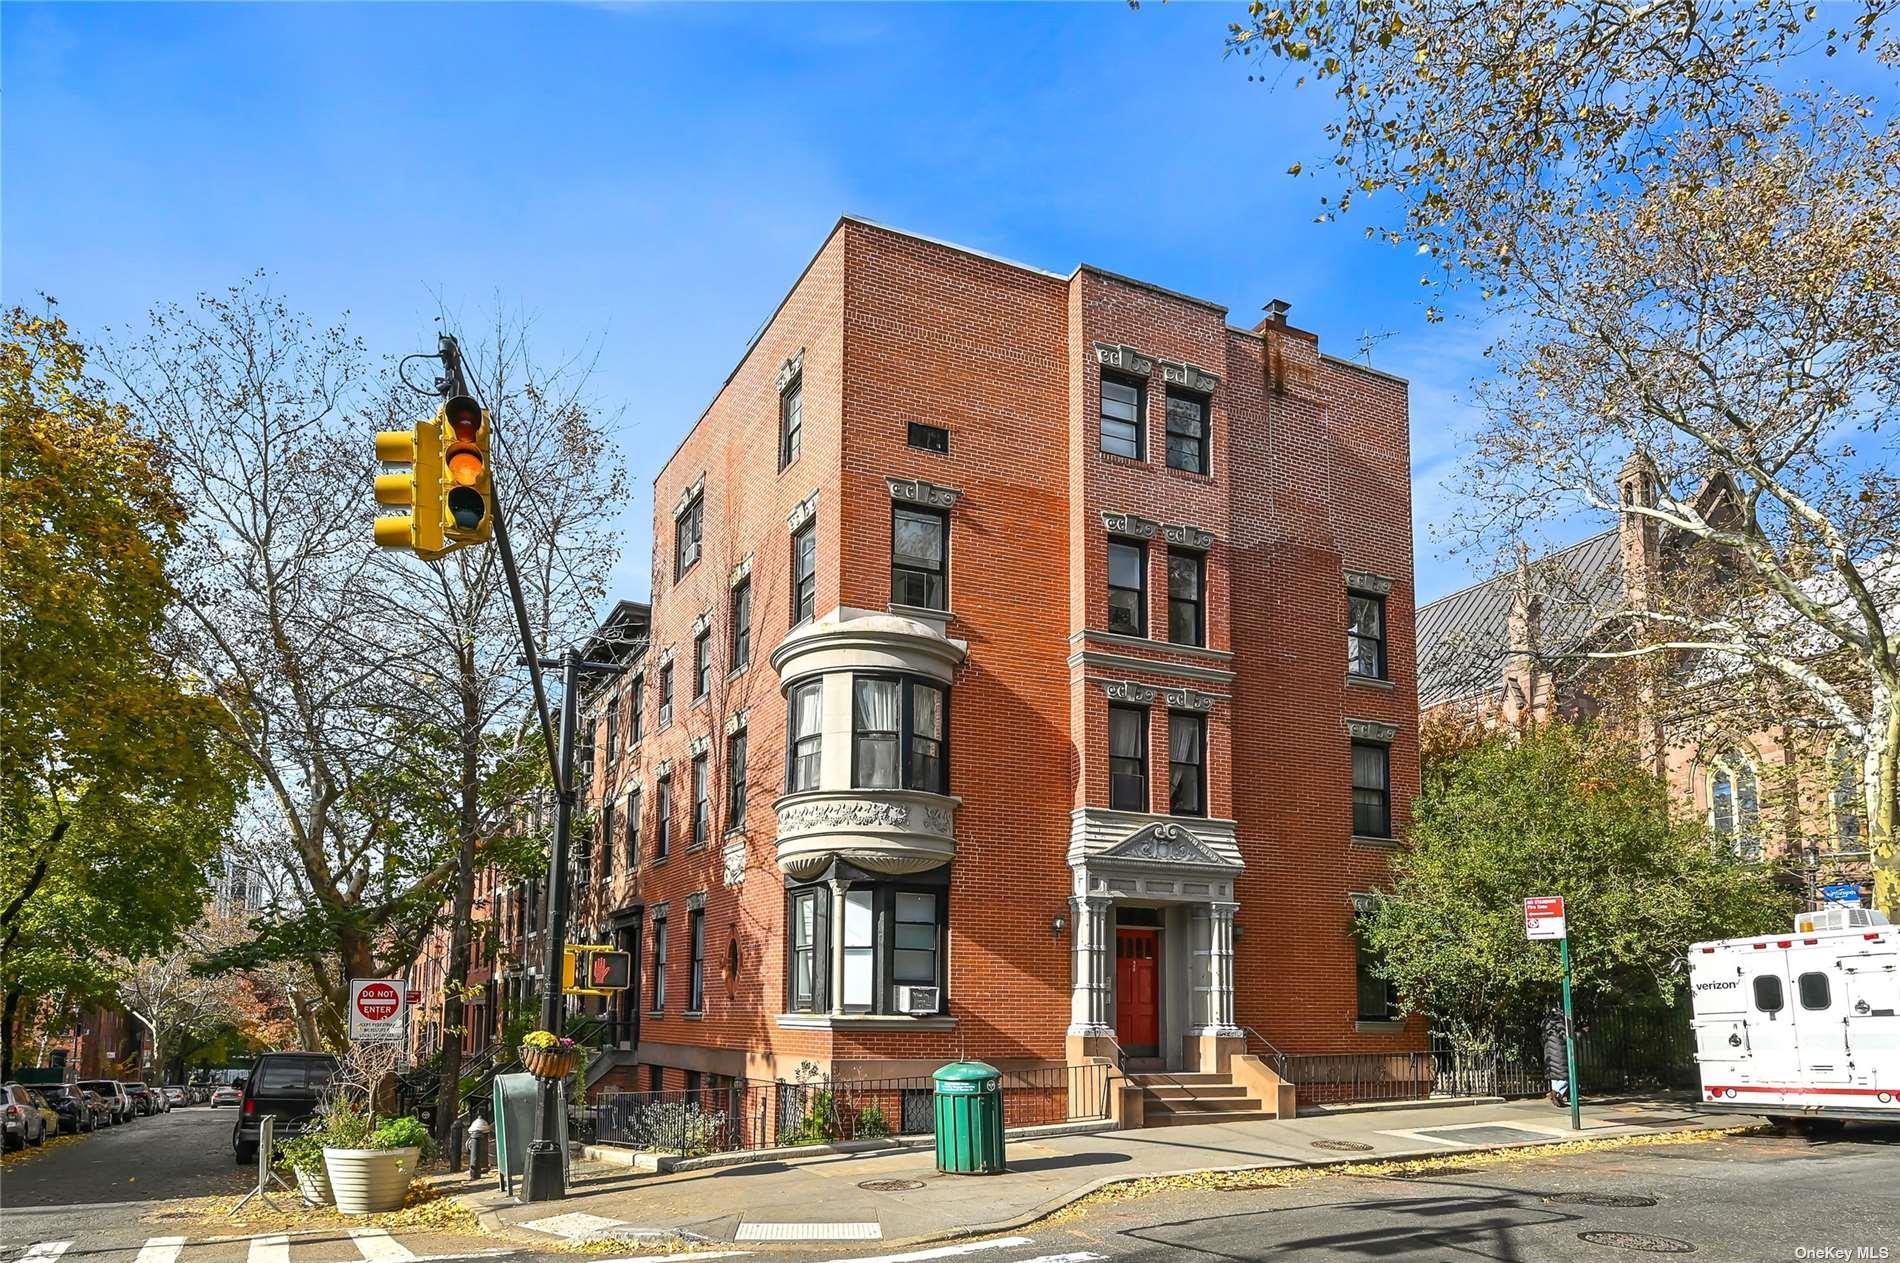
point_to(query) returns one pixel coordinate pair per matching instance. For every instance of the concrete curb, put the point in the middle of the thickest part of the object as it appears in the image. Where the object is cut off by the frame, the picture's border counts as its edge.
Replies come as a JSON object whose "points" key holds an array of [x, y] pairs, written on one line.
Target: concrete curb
{"points": [[666, 1164], [1054, 1204], [1381, 1107]]}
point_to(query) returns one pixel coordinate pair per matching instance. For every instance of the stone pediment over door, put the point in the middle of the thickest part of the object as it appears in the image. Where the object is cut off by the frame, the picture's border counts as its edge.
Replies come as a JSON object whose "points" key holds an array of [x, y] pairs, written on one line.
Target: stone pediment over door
{"points": [[1165, 843]]}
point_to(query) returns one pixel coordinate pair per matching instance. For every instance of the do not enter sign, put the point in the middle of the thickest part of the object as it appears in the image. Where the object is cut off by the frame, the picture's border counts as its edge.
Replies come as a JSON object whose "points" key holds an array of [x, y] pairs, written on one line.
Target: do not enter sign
{"points": [[376, 1009]]}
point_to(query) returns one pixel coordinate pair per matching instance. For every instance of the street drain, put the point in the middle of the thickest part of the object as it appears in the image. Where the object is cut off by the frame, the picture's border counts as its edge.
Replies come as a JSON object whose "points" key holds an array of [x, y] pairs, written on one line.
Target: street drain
{"points": [[1343, 1146], [1642, 1241], [1434, 1173], [1621, 1201], [890, 1186]]}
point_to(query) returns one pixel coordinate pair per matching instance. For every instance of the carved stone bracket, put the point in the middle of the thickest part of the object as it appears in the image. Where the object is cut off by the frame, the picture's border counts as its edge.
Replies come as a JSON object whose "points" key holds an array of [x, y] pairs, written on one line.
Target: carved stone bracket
{"points": [[1366, 581], [807, 509], [1372, 730], [1131, 525], [736, 720], [666, 657], [788, 372], [1144, 694], [703, 622], [741, 572], [734, 856], [686, 496], [1363, 904], [696, 902], [1188, 377], [1188, 536], [1124, 359], [701, 745], [917, 491], [663, 769]]}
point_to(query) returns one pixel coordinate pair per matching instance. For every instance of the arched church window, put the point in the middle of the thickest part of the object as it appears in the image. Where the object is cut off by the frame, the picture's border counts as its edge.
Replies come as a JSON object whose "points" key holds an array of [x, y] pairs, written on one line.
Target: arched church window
{"points": [[1845, 798], [1735, 804]]}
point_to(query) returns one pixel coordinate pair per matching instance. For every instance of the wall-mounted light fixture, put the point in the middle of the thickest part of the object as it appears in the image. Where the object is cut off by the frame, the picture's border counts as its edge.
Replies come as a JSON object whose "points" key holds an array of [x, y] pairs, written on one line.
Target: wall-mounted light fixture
{"points": [[1238, 931], [1058, 924]]}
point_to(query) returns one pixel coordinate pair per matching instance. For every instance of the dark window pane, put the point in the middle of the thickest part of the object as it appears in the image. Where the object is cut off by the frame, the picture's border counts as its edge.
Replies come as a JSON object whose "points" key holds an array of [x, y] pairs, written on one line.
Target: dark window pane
{"points": [[1127, 589], [1121, 418], [1187, 432], [1814, 991], [1187, 772], [1185, 623], [1127, 758], [791, 423], [1768, 997], [804, 573], [932, 438]]}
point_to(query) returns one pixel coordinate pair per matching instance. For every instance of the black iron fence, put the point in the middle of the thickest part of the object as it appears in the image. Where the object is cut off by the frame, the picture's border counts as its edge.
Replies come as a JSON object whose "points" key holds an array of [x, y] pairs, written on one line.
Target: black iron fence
{"points": [[739, 1115], [1617, 1050]]}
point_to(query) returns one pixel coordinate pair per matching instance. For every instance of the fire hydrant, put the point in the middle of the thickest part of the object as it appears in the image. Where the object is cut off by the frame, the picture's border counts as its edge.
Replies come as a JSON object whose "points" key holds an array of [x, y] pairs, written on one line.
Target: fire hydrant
{"points": [[479, 1132]]}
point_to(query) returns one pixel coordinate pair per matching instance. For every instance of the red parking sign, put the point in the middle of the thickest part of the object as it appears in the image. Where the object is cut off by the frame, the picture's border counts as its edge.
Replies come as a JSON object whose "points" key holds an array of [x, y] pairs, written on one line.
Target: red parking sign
{"points": [[1544, 916]]}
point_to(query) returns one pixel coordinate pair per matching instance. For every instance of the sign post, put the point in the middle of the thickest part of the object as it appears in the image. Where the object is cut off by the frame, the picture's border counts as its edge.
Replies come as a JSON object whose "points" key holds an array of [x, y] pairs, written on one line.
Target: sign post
{"points": [[1544, 919]]}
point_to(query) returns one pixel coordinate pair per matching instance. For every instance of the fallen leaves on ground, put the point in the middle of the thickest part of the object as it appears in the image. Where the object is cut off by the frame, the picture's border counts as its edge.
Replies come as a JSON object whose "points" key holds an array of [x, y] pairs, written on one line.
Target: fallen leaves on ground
{"points": [[624, 1244], [1282, 1177], [430, 1207], [18, 1156]]}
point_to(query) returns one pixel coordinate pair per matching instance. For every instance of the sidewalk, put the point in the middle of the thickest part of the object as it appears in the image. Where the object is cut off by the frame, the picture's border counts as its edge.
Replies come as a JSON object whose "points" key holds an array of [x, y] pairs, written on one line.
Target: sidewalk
{"points": [[798, 1199]]}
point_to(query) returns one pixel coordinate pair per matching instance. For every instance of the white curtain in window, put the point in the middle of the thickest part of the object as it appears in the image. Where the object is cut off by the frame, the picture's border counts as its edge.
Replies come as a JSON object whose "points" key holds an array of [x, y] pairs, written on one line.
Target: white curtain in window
{"points": [[1124, 735], [877, 712], [1184, 740], [811, 705]]}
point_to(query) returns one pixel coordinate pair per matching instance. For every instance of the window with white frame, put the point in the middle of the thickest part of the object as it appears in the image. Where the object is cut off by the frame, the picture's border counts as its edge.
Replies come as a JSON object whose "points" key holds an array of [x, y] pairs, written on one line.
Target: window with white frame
{"points": [[1735, 804], [804, 736]]}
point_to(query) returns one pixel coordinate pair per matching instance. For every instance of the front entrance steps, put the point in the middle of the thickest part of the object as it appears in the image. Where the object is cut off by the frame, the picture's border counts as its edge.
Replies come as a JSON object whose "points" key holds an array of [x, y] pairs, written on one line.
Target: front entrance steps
{"points": [[1172, 1099]]}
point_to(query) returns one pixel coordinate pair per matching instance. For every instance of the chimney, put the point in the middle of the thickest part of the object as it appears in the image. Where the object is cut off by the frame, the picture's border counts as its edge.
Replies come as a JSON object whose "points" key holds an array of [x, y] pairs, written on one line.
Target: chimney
{"points": [[1638, 484], [1276, 310]]}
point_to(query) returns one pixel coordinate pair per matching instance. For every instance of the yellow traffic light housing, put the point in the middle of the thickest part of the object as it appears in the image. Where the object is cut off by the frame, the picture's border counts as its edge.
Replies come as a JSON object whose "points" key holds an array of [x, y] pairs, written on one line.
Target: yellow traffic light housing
{"points": [[590, 969], [418, 488], [467, 494]]}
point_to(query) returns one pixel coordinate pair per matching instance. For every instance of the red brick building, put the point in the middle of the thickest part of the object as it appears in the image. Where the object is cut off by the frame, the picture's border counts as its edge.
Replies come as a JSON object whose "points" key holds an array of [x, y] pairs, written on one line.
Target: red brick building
{"points": [[1030, 673]]}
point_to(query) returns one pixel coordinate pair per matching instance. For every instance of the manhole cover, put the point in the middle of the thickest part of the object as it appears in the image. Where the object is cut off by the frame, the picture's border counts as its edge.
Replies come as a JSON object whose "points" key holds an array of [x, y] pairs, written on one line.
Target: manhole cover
{"points": [[1620, 1200], [1343, 1146], [890, 1186], [1642, 1241]]}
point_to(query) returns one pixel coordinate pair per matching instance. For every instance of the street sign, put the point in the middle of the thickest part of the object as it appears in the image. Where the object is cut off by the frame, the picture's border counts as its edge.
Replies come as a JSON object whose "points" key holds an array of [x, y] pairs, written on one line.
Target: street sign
{"points": [[376, 1009], [412, 997], [1544, 917], [1846, 893]]}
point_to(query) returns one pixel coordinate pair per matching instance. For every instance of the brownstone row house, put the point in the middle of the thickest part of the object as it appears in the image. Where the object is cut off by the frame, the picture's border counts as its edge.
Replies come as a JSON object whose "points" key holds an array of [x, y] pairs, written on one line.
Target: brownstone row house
{"points": [[1514, 650], [1028, 676]]}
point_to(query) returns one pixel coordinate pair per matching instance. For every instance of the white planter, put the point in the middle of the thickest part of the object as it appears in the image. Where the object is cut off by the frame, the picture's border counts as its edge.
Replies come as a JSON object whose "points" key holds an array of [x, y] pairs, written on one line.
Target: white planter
{"points": [[315, 1187], [370, 1181]]}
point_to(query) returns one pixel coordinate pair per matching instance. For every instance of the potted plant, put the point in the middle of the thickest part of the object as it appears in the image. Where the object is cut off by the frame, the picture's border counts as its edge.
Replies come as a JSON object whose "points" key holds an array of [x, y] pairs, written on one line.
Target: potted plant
{"points": [[303, 1157], [549, 1056], [370, 1164]]}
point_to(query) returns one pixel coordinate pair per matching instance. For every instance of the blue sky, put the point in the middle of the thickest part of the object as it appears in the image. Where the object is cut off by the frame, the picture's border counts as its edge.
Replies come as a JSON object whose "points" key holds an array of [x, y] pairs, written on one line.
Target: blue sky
{"points": [[649, 180]]}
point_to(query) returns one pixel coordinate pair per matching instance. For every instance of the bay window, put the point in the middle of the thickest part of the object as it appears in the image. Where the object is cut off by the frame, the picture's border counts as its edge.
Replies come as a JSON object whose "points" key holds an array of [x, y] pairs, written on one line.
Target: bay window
{"points": [[897, 728], [805, 736], [880, 936]]}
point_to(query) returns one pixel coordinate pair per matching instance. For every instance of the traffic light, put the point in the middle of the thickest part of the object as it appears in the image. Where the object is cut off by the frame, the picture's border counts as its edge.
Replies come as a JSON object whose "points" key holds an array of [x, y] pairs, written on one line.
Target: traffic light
{"points": [[591, 970], [418, 488], [465, 485]]}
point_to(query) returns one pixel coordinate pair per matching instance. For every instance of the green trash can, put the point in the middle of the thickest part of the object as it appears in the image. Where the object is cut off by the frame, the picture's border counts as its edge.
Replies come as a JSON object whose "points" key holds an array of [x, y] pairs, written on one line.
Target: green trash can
{"points": [[969, 1099]]}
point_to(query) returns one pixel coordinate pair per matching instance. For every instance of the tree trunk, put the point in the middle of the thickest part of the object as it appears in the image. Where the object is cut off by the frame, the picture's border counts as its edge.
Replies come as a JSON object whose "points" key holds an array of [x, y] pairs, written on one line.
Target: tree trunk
{"points": [[461, 911], [7, 1017], [1880, 772]]}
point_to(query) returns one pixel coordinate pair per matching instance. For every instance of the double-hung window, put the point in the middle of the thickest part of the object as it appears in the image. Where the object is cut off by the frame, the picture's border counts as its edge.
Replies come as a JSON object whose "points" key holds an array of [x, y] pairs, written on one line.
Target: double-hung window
{"points": [[686, 535], [1371, 790], [666, 695], [804, 573], [633, 829], [1187, 763], [702, 663], [1128, 758], [613, 730], [920, 561], [636, 710], [696, 960], [735, 780], [1365, 635], [791, 421], [897, 734], [1122, 408], [915, 939], [1378, 1001], [1187, 583], [807, 973], [860, 948], [1187, 432], [805, 736], [663, 818], [702, 801], [659, 962], [1127, 588], [739, 618], [608, 836]]}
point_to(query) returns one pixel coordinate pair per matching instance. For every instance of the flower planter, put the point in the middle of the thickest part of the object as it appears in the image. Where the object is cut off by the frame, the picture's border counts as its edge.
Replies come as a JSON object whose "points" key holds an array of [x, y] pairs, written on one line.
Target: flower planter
{"points": [[315, 1187], [370, 1181], [549, 1063]]}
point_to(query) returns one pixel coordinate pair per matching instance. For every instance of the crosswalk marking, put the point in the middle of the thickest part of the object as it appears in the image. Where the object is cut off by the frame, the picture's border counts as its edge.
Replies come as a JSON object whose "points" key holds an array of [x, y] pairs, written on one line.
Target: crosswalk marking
{"points": [[271, 1248], [819, 1231], [45, 1251], [377, 1246], [161, 1250], [942, 1251], [689, 1257], [1074, 1256]]}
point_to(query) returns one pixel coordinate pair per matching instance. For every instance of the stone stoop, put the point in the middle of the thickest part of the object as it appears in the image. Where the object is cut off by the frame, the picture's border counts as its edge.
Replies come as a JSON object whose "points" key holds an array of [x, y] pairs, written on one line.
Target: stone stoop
{"points": [[1175, 1099]]}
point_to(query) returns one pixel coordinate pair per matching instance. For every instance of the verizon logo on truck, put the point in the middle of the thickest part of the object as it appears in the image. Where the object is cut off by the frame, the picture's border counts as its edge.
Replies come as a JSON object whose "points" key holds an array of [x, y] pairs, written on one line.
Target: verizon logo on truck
{"points": [[1803, 1028]]}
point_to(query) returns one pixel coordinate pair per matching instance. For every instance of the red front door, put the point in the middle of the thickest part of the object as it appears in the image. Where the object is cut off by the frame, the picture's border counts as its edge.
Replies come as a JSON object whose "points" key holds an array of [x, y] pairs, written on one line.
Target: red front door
{"points": [[1137, 991]]}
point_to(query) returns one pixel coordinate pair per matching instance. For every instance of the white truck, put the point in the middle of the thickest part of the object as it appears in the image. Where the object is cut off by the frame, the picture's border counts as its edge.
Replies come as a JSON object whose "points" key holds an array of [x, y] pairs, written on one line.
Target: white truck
{"points": [[1802, 1027]]}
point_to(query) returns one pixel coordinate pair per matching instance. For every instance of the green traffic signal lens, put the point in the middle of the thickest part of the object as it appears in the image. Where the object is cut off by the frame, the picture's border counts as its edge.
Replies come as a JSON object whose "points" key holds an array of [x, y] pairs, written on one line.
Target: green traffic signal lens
{"points": [[467, 507]]}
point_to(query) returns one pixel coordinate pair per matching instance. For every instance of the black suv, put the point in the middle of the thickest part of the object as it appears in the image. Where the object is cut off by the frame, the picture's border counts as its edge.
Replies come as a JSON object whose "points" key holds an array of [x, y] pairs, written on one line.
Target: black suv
{"points": [[287, 1086]]}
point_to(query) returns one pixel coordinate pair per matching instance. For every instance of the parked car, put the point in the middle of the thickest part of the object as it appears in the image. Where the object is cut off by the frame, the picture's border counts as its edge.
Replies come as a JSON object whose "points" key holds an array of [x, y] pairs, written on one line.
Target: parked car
{"points": [[23, 1122], [141, 1097], [177, 1095], [287, 1086], [226, 1095], [75, 1115], [113, 1093], [38, 1100], [100, 1107]]}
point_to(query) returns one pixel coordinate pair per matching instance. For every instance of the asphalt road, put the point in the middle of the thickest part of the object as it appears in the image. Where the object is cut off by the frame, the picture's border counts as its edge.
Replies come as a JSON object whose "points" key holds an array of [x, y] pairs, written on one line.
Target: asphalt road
{"points": [[111, 1176]]}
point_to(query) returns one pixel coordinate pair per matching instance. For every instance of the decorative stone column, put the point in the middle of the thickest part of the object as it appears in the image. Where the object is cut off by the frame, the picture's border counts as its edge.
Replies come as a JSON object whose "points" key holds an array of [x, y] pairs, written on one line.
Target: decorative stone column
{"points": [[1090, 972], [1213, 1038], [837, 947]]}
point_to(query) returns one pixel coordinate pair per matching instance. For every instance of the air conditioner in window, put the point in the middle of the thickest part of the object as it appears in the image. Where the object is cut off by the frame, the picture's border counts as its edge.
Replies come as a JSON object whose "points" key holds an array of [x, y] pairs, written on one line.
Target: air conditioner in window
{"points": [[918, 999]]}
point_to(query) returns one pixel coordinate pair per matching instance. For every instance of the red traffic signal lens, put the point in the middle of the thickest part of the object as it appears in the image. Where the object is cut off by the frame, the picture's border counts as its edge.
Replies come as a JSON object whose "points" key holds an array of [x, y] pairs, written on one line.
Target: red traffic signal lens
{"points": [[465, 417]]}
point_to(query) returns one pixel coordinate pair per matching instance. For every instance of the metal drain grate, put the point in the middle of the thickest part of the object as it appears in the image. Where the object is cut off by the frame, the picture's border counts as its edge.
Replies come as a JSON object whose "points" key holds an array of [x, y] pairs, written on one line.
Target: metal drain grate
{"points": [[1647, 1243], [1343, 1146], [1434, 1173], [1621, 1201], [890, 1186]]}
